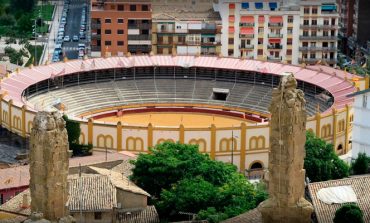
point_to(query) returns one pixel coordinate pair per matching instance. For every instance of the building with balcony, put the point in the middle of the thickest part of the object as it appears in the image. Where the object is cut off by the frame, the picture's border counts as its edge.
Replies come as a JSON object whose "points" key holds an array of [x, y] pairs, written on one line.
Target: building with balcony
{"points": [[346, 10], [120, 26], [185, 28], [288, 31]]}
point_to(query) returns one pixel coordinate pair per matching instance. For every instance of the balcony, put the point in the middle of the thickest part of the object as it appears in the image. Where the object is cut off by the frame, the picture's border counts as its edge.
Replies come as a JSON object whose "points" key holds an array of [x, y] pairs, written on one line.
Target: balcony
{"points": [[95, 36], [317, 27], [139, 48], [202, 31], [318, 37], [275, 35], [275, 24], [95, 25], [246, 24], [315, 60], [248, 47], [246, 35], [140, 26], [272, 58], [139, 37], [275, 47], [95, 48], [208, 43]]}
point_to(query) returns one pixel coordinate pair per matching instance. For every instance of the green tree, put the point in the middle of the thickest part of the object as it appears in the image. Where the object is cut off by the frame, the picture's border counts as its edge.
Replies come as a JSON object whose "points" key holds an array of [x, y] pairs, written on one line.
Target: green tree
{"points": [[24, 23], [180, 178], [349, 213], [73, 130], [361, 164], [22, 5], [321, 162]]}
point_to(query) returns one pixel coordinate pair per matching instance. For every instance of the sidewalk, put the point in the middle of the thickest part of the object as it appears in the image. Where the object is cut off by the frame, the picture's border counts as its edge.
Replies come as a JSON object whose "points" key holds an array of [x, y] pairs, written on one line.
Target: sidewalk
{"points": [[53, 32]]}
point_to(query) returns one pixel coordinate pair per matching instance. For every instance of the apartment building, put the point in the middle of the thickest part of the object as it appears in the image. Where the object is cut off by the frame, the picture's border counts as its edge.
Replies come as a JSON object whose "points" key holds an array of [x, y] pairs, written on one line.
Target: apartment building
{"points": [[120, 26], [291, 31], [185, 27], [361, 23], [346, 11]]}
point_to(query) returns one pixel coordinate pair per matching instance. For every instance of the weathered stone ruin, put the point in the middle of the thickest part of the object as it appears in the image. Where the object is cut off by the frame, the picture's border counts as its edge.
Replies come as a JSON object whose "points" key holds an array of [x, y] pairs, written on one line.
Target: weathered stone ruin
{"points": [[285, 176]]}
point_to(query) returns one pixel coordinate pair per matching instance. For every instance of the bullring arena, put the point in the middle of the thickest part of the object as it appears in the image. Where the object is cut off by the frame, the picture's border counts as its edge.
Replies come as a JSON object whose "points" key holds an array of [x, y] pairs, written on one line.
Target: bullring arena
{"points": [[135, 102]]}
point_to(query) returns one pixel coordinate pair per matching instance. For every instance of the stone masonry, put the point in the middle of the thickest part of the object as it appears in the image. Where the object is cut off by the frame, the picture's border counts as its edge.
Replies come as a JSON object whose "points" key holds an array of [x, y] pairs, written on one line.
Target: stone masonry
{"points": [[285, 176], [49, 165]]}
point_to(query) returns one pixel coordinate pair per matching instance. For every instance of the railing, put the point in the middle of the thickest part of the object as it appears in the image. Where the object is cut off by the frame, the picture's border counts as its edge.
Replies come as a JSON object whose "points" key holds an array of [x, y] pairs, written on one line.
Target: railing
{"points": [[95, 36], [95, 48], [318, 37], [95, 26], [202, 31], [274, 35], [316, 26], [242, 24], [315, 60], [275, 24], [274, 47], [246, 47], [137, 48], [140, 26], [139, 37], [274, 58], [246, 35]]}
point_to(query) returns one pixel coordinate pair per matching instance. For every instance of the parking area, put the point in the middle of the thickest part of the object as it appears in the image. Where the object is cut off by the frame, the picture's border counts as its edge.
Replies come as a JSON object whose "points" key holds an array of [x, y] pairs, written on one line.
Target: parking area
{"points": [[71, 37]]}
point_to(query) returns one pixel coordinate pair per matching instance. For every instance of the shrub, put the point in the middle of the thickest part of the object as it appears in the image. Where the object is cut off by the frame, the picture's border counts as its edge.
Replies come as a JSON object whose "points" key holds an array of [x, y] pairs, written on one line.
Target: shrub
{"points": [[349, 213]]}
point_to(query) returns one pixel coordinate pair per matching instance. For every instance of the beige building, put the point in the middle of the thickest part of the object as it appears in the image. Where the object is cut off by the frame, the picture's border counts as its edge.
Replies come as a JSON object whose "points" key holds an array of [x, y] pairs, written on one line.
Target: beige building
{"points": [[185, 28], [280, 30]]}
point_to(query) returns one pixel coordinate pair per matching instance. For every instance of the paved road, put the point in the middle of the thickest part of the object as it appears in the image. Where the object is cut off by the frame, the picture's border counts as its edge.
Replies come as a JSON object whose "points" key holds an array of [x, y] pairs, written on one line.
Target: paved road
{"points": [[73, 28]]}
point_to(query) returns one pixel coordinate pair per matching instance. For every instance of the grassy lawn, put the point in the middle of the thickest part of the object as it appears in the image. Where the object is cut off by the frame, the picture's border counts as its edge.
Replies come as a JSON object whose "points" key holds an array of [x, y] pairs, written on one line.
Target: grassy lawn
{"points": [[43, 29], [46, 12], [31, 48]]}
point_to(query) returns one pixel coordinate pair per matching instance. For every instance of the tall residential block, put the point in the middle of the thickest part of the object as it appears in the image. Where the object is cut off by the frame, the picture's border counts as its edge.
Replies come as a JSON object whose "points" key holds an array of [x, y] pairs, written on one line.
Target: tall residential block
{"points": [[120, 26], [185, 27], [291, 31]]}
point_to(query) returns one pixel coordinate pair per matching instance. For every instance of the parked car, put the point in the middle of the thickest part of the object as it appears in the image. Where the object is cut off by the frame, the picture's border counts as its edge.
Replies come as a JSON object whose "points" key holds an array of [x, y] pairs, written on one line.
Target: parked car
{"points": [[67, 39], [75, 38]]}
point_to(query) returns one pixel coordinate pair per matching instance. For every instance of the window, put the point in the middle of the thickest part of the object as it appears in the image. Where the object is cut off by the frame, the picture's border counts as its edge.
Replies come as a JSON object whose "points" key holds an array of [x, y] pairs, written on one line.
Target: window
{"points": [[108, 31], [325, 44], [260, 40], [326, 22], [112, 7], [245, 5], [120, 7], [144, 8], [364, 101], [289, 41], [290, 30], [132, 8], [289, 52], [314, 10], [333, 22], [120, 20], [306, 10], [312, 55], [304, 55], [230, 52], [145, 32], [120, 31], [232, 6], [325, 33], [97, 215], [305, 22], [181, 39], [314, 22], [305, 44], [313, 33], [290, 19], [305, 32], [108, 43], [313, 44], [108, 21], [260, 52], [120, 43], [231, 40]]}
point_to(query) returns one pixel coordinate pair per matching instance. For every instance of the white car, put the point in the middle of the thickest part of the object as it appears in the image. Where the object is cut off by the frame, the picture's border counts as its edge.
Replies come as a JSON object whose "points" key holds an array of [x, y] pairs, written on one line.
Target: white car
{"points": [[67, 39]]}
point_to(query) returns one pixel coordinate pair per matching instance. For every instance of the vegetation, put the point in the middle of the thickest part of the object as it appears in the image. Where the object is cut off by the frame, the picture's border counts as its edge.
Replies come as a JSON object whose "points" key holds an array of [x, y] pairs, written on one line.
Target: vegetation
{"points": [[181, 179], [361, 164], [349, 213], [74, 131], [321, 162], [15, 57], [31, 49]]}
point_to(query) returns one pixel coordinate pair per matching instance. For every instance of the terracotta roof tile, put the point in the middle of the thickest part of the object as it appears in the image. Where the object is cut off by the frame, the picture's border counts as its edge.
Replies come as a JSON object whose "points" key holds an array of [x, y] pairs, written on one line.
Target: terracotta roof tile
{"points": [[252, 216]]}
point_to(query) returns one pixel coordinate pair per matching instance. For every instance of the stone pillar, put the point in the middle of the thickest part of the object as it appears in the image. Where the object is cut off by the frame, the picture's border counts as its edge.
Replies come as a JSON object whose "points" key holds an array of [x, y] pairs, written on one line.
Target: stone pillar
{"points": [[286, 176], [49, 165], [182, 134], [119, 136]]}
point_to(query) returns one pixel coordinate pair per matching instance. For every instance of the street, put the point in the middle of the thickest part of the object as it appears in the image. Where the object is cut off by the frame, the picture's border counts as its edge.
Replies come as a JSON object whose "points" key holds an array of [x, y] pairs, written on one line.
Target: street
{"points": [[73, 28]]}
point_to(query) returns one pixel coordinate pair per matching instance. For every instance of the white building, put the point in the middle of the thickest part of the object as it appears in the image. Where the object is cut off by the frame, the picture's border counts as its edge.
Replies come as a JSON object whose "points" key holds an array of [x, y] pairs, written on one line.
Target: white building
{"points": [[292, 31], [361, 123]]}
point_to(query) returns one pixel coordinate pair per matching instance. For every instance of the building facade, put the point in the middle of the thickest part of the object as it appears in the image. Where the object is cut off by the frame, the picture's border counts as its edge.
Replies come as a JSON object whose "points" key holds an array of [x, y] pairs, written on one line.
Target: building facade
{"points": [[185, 28], [289, 31], [121, 26], [346, 10], [361, 124]]}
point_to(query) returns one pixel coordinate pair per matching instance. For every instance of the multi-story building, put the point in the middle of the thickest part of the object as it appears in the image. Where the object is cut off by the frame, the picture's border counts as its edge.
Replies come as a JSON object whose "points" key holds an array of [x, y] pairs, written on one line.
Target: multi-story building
{"points": [[185, 28], [361, 24], [280, 30], [346, 10], [120, 26]]}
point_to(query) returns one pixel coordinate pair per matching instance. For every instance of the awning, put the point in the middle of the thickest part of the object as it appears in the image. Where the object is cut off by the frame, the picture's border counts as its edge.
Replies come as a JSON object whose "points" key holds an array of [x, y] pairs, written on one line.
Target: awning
{"points": [[231, 6], [273, 5], [245, 5], [274, 40], [261, 19], [231, 18], [328, 8], [258, 5], [276, 19], [247, 30], [247, 19], [231, 29]]}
